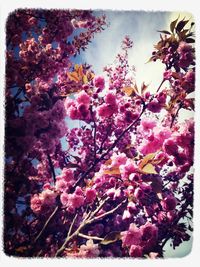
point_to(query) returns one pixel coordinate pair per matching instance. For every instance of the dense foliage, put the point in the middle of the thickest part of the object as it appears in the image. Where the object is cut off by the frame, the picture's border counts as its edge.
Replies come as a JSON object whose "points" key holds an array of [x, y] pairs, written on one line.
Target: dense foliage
{"points": [[120, 183]]}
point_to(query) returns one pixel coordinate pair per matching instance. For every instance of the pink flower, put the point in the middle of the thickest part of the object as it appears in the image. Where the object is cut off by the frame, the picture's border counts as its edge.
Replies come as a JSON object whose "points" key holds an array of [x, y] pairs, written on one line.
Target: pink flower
{"points": [[167, 74], [72, 112], [155, 140], [170, 147], [83, 98], [64, 198], [114, 193], [110, 99], [186, 54], [127, 169], [169, 203], [47, 186], [118, 159], [58, 111], [67, 174], [48, 197], [184, 47], [132, 208], [78, 191], [105, 110], [130, 116], [135, 251], [75, 201], [132, 236], [61, 185], [83, 110], [149, 236], [90, 195], [190, 76], [36, 204], [69, 102], [162, 134], [154, 106], [99, 82], [138, 193], [90, 250], [148, 124]]}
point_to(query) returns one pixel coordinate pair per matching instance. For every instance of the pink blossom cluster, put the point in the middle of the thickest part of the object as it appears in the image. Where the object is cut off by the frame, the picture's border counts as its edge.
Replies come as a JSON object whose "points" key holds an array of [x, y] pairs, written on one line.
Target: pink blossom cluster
{"points": [[186, 54], [46, 199], [77, 199], [154, 136], [79, 108], [108, 108], [121, 74], [140, 240]]}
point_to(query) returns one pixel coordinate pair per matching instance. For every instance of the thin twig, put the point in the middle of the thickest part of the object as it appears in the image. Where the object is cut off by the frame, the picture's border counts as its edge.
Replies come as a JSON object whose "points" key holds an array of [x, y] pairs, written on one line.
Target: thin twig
{"points": [[99, 207], [160, 85], [103, 141], [46, 223], [90, 237], [85, 223], [95, 130], [107, 213], [110, 148], [72, 224], [175, 115]]}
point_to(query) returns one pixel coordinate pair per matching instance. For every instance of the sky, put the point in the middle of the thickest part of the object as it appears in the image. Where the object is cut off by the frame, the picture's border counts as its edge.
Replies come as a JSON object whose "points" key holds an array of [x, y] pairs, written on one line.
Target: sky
{"points": [[143, 28]]}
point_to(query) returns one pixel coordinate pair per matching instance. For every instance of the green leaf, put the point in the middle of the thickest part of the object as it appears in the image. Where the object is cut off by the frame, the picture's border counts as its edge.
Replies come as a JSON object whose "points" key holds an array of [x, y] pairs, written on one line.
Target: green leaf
{"points": [[181, 25], [111, 238], [173, 24], [166, 32]]}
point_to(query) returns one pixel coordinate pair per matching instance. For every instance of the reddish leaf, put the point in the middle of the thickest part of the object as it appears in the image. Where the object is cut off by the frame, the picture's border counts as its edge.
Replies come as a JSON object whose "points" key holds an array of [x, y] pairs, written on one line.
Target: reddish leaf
{"points": [[181, 25], [166, 32], [190, 40], [173, 24]]}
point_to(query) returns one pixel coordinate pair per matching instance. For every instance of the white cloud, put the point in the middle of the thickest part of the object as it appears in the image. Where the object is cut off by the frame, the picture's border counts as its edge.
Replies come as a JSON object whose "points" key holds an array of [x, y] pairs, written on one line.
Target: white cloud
{"points": [[141, 27]]}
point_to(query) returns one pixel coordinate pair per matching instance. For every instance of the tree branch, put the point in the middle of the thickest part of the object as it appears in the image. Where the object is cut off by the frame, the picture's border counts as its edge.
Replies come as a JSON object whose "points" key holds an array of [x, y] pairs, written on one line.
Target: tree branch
{"points": [[160, 85], [110, 148], [107, 213], [46, 223], [72, 224], [90, 237], [176, 114], [86, 222], [95, 130], [51, 167]]}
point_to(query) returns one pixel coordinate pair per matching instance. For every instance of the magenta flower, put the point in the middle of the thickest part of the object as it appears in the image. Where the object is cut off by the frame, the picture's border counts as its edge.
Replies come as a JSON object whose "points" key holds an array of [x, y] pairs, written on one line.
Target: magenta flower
{"points": [[132, 236], [90, 195], [135, 251], [99, 82]]}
